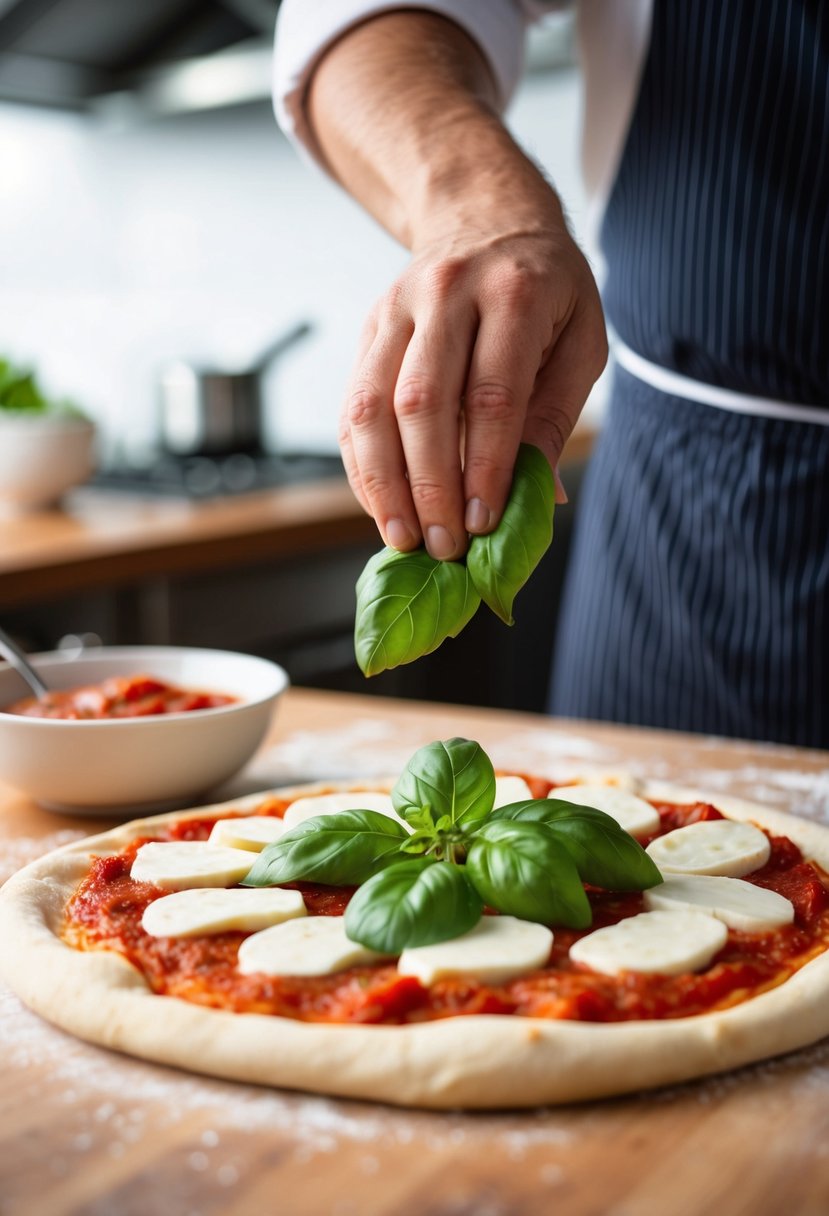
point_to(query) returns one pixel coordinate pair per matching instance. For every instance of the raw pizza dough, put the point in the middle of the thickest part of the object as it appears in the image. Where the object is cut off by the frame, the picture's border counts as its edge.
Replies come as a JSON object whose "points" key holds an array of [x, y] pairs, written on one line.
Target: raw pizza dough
{"points": [[474, 1062]]}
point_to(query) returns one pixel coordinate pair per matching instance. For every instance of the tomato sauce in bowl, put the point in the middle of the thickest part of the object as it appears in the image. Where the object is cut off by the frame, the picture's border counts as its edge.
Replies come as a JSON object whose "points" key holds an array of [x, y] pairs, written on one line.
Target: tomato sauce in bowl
{"points": [[135, 696]]}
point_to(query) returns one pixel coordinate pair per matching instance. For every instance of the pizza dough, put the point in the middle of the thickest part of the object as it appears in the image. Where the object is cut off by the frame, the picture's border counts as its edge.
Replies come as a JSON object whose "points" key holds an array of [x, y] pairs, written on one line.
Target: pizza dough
{"points": [[474, 1062]]}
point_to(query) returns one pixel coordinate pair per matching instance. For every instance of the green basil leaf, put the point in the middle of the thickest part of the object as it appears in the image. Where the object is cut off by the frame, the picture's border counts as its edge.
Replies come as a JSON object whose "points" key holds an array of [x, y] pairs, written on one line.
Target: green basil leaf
{"points": [[521, 869], [342, 849], [500, 563], [421, 820], [454, 778], [412, 903], [407, 604], [605, 854], [418, 843]]}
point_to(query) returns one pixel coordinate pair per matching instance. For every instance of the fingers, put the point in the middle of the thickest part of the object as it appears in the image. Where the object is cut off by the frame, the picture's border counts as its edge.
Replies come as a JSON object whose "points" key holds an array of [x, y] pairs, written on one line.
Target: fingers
{"points": [[370, 439], [427, 409], [563, 384], [399, 434], [352, 469], [504, 364]]}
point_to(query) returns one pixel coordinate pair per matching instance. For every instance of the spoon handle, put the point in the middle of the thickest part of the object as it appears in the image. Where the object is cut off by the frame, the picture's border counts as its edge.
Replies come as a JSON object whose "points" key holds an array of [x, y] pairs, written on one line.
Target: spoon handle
{"points": [[12, 652]]}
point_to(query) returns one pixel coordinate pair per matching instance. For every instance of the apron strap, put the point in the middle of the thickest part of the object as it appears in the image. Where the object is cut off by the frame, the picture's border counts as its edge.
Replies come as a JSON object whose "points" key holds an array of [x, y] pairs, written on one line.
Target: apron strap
{"points": [[677, 385]]}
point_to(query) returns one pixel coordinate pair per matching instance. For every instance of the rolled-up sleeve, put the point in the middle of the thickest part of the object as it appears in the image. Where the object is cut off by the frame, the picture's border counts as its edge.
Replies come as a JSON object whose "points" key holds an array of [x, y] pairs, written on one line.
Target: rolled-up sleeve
{"points": [[305, 31]]}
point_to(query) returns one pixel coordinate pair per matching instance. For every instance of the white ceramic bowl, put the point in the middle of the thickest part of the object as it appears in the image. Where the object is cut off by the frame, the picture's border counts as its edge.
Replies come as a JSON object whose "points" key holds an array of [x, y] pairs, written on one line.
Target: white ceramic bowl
{"points": [[96, 766], [41, 457]]}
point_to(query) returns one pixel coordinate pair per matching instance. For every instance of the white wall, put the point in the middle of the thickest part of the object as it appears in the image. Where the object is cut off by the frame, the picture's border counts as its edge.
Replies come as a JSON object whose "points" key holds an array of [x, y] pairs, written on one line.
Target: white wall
{"points": [[203, 237]]}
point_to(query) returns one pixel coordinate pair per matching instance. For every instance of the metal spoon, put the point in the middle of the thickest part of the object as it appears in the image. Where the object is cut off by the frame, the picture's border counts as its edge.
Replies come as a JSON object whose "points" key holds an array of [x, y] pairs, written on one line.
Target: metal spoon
{"points": [[12, 652]]}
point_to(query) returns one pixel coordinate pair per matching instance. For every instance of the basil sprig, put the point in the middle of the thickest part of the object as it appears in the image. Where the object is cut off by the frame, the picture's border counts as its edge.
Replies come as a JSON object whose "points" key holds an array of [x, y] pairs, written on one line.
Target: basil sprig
{"points": [[430, 883], [409, 603]]}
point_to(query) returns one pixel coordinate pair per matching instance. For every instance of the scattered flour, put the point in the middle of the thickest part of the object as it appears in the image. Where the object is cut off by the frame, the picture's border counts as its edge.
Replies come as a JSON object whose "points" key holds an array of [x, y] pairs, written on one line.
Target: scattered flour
{"points": [[14, 854]]}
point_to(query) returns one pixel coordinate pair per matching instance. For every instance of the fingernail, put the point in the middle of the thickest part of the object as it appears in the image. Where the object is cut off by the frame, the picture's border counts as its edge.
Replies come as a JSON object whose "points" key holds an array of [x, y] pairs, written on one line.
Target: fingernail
{"points": [[478, 516], [561, 493], [440, 542], [398, 535]]}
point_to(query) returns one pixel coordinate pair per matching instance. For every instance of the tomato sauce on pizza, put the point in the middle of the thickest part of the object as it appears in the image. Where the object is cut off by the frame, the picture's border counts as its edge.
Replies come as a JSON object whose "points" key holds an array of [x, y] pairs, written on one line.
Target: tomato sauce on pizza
{"points": [[106, 910]]}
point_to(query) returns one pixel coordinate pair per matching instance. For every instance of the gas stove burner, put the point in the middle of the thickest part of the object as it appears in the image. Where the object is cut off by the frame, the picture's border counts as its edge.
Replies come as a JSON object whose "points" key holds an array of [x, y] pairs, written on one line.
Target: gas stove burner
{"points": [[205, 477]]}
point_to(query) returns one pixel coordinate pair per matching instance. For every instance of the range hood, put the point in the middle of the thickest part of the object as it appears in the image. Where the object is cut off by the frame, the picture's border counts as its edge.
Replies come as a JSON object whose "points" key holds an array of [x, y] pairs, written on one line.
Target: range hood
{"points": [[75, 53], [150, 58]]}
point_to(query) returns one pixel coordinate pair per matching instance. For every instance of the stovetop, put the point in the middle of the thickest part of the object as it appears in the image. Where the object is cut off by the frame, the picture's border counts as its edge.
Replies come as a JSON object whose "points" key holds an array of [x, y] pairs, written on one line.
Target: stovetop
{"points": [[205, 477]]}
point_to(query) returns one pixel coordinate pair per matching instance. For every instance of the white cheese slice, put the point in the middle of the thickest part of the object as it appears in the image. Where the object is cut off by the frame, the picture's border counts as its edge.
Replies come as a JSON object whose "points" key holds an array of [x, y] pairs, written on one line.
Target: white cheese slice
{"points": [[630, 812], [714, 846], [252, 832], [207, 910], [511, 789], [664, 943], [314, 945], [740, 905], [331, 804], [498, 949], [179, 864]]}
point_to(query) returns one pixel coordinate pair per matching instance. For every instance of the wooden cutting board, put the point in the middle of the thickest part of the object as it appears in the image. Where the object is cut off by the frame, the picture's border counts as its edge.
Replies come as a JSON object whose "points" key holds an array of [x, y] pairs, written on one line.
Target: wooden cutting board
{"points": [[86, 1131]]}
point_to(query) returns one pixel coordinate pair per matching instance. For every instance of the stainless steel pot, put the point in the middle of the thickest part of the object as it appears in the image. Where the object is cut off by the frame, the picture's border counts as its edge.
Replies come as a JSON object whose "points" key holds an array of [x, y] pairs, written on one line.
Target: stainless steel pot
{"points": [[209, 412]]}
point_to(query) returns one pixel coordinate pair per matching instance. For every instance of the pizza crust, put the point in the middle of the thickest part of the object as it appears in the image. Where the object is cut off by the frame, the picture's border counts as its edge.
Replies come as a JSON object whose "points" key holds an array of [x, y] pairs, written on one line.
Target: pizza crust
{"points": [[472, 1062]]}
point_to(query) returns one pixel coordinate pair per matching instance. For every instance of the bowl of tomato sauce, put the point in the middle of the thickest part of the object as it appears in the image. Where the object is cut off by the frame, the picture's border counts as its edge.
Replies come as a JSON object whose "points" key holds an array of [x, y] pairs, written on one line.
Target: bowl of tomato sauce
{"points": [[135, 727]]}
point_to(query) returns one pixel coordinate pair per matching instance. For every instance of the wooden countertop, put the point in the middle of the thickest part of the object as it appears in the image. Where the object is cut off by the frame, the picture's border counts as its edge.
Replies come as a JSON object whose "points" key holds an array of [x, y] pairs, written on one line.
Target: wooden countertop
{"points": [[103, 539], [85, 1131]]}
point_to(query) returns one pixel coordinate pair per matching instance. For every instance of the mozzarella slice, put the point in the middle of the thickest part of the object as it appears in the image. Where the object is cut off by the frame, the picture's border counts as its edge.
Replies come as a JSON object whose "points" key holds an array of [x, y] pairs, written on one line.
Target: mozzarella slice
{"points": [[630, 812], [740, 905], [179, 864], [511, 789], [251, 833], [664, 943], [208, 910], [331, 804], [498, 949], [315, 945], [714, 846]]}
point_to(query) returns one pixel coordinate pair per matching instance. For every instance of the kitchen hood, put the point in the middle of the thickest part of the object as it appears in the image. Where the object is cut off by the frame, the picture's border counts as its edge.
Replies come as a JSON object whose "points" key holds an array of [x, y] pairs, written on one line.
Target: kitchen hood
{"points": [[169, 55], [150, 58]]}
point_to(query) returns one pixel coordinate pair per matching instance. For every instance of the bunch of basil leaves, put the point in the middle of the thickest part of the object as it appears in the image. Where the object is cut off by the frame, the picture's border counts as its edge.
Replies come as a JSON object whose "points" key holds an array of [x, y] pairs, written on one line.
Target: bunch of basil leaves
{"points": [[529, 859], [409, 603]]}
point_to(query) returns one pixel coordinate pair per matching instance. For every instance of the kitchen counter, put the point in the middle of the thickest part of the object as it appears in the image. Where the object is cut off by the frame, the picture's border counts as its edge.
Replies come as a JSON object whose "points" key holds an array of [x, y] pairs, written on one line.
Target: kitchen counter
{"points": [[270, 573], [87, 1131], [103, 539]]}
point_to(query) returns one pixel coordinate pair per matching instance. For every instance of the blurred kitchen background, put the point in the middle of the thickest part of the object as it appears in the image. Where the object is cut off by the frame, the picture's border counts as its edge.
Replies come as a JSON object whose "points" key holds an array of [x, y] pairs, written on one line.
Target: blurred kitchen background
{"points": [[151, 211]]}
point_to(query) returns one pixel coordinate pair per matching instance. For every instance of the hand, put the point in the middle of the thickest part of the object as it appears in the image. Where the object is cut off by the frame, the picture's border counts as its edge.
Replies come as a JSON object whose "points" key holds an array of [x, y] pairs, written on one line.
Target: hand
{"points": [[493, 335]]}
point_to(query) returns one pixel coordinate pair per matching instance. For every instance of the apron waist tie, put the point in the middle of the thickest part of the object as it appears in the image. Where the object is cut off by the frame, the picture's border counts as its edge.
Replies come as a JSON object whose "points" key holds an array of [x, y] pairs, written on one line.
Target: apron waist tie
{"points": [[677, 385]]}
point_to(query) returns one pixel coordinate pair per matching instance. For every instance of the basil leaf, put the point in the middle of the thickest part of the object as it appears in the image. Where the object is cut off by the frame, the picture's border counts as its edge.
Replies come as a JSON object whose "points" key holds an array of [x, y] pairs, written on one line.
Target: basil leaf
{"points": [[605, 854], [500, 563], [454, 778], [407, 604], [412, 903], [521, 869], [342, 849]]}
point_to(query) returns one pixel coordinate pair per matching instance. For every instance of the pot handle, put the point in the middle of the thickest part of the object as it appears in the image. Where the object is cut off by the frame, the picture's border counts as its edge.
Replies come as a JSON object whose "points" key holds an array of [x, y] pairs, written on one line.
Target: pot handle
{"points": [[280, 344]]}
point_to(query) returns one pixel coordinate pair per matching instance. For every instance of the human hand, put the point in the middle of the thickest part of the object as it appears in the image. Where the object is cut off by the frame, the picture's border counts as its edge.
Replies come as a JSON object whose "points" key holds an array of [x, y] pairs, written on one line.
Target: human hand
{"points": [[493, 335]]}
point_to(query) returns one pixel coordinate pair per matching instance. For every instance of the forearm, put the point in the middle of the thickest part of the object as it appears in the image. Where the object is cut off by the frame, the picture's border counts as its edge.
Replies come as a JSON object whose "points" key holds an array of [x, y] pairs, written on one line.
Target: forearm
{"points": [[403, 108]]}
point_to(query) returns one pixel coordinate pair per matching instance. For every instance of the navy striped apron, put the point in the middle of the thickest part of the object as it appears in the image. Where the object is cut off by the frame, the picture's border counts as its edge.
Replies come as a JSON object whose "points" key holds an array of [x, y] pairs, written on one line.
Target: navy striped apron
{"points": [[698, 594]]}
